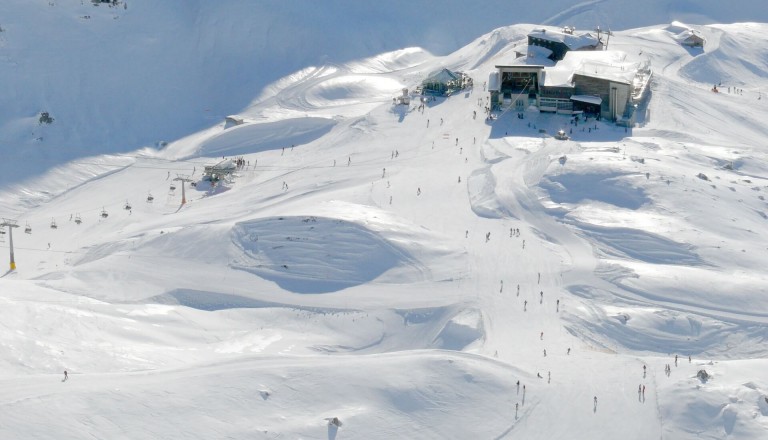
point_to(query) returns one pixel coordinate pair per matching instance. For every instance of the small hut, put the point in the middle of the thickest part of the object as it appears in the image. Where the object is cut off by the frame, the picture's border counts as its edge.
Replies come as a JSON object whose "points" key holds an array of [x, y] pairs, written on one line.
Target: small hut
{"points": [[441, 82], [690, 38]]}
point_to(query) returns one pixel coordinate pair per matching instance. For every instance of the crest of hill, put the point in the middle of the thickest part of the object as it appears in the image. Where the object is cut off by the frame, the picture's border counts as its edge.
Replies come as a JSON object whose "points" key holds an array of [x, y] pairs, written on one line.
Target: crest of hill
{"points": [[117, 79]]}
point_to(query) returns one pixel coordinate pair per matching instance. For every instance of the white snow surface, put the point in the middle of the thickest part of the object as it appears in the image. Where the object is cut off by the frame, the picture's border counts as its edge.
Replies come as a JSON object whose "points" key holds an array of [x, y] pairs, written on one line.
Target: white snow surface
{"points": [[365, 262]]}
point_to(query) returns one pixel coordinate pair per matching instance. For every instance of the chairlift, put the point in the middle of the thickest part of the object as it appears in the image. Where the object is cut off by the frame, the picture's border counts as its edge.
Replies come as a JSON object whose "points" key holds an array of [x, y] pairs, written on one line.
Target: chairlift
{"points": [[150, 198], [53, 224], [127, 206], [78, 220], [28, 229], [104, 213]]}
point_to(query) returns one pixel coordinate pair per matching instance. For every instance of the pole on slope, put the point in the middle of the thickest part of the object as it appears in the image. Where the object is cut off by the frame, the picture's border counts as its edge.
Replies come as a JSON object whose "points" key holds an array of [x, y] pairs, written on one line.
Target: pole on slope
{"points": [[10, 224], [184, 178]]}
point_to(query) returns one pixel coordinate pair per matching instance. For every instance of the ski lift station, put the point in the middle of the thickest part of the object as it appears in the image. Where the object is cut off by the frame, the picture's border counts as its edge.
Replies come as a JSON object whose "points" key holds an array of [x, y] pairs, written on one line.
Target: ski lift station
{"points": [[583, 78], [224, 168]]}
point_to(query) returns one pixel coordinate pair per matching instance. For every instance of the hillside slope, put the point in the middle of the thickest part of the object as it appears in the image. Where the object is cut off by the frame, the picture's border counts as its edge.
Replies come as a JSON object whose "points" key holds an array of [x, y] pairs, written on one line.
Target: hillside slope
{"points": [[417, 273]]}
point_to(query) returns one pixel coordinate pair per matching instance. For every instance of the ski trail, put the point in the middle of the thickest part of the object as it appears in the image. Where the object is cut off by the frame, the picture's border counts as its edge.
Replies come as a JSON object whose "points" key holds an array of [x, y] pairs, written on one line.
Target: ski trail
{"points": [[573, 10]]}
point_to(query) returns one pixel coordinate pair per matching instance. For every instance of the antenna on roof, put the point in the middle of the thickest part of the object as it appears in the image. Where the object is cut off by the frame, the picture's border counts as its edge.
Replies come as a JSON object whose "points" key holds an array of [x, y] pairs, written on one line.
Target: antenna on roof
{"points": [[608, 33]]}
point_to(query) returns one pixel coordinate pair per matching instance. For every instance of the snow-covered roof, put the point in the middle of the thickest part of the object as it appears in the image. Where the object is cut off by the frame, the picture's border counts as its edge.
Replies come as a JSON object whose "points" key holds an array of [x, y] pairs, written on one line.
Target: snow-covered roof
{"points": [[689, 35], [442, 76], [610, 64], [573, 41], [538, 52], [557, 77]]}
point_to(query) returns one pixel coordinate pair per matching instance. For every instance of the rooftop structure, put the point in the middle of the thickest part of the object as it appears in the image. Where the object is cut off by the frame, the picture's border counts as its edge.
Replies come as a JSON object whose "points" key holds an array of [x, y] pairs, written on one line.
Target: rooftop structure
{"points": [[562, 41]]}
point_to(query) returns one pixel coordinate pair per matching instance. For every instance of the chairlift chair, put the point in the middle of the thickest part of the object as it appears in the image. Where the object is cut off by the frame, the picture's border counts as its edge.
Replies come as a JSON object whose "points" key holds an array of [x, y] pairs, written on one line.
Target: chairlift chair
{"points": [[173, 187], [104, 213], [127, 206], [53, 224], [28, 229], [78, 220], [150, 198]]}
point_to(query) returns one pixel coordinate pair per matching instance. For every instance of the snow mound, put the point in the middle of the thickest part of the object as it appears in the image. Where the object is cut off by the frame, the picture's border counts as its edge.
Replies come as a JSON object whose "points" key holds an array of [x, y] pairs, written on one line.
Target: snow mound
{"points": [[461, 330], [640, 245], [606, 187], [253, 138], [350, 89], [482, 194], [313, 254]]}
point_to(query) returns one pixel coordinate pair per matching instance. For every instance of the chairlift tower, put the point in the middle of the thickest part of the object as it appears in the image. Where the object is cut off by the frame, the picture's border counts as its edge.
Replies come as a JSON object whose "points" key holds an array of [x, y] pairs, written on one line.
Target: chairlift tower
{"points": [[10, 224], [184, 178]]}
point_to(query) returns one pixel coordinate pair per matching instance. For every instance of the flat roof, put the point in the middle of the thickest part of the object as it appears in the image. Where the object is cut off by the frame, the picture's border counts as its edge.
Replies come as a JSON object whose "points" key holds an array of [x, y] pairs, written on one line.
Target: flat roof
{"points": [[521, 66], [589, 99], [611, 65]]}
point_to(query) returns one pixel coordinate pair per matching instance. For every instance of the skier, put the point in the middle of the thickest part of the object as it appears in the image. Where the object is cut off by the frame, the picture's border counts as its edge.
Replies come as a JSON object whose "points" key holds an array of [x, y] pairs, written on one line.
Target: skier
{"points": [[569, 351], [66, 376], [541, 337], [418, 191]]}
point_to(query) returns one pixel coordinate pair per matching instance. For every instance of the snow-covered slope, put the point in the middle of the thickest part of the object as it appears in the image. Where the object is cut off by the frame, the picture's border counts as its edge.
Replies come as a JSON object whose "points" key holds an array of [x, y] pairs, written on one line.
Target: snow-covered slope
{"points": [[417, 274]]}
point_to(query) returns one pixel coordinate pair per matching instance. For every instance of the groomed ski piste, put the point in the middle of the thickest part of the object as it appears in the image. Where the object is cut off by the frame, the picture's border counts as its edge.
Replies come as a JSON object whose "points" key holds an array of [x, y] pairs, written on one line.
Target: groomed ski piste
{"points": [[415, 274]]}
